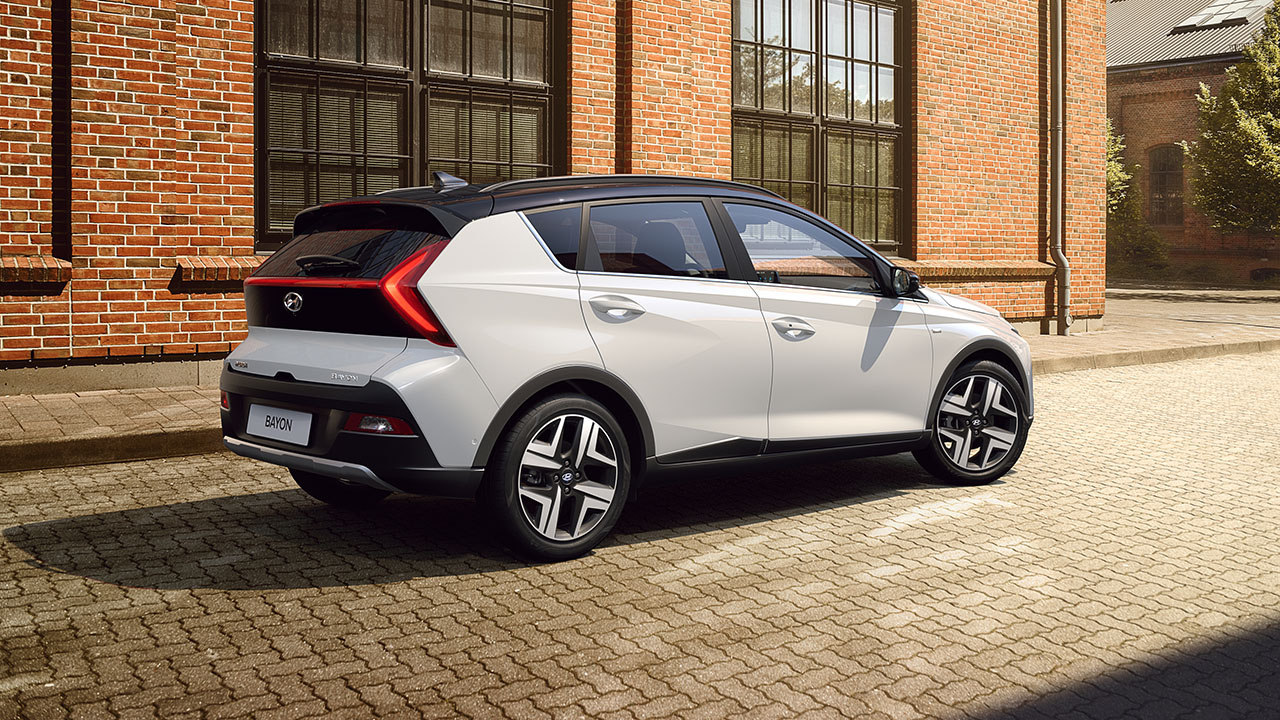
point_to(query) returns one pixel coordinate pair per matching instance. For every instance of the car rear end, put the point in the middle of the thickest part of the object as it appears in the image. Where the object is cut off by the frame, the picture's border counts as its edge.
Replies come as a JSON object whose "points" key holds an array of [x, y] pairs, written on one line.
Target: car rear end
{"points": [[339, 337]]}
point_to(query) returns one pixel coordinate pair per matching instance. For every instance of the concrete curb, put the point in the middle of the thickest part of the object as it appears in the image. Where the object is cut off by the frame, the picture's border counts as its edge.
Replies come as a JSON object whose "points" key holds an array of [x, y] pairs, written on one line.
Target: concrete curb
{"points": [[70, 452]]}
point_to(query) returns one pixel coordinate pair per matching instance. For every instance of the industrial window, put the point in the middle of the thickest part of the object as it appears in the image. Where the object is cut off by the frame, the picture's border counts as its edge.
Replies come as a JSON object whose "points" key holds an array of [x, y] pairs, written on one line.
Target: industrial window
{"points": [[1166, 185], [359, 96], [1223, 12], [817, 118]]}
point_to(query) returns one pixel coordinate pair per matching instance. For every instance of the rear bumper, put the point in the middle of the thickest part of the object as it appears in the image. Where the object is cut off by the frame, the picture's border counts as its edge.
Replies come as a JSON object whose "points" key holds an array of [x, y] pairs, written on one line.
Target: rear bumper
{"points": [[394, 463]]}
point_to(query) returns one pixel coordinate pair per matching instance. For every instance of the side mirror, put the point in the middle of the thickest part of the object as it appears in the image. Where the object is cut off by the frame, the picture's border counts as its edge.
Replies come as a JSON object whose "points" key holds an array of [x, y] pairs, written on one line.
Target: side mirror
{"points": [[905, 282]]}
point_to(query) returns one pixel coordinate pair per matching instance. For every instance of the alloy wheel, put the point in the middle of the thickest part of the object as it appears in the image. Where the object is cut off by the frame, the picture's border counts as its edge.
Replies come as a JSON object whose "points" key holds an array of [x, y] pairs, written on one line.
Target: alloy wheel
{"points": [[568, 477], [977, 423]]}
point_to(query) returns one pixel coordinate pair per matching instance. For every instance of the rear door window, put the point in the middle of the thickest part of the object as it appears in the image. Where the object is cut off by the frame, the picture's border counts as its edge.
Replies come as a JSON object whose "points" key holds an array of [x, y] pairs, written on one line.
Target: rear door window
{"points": [[657, 238], [345, 253]]}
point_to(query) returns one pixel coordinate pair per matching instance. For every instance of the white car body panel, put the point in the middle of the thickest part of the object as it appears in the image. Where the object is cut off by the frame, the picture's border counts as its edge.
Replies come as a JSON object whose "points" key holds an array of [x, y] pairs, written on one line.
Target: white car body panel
{"points": [[857, 374], [698, 356], [329, 358], [511, 310], [955, 328], [447, 398]]}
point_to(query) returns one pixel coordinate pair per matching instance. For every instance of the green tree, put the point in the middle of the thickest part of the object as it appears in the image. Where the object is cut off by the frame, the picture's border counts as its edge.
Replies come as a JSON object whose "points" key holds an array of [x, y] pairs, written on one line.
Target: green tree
{"points": [[1237, 153], [1118, 176]]}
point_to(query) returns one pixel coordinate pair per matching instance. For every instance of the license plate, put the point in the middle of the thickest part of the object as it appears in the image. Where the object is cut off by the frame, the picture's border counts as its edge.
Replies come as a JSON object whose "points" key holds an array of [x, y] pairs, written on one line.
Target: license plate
{"points": [[288, 426]]}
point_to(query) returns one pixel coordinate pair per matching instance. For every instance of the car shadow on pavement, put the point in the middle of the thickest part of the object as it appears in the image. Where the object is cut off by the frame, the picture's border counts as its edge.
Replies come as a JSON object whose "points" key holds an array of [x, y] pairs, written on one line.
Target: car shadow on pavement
{"points": [[1233, 678], [285, 539]]}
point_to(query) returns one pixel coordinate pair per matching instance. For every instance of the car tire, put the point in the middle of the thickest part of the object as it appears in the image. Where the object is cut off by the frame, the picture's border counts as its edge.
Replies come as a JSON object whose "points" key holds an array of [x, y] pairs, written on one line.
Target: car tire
{"points": [[558, 479], [336, 492], [979, 426]]}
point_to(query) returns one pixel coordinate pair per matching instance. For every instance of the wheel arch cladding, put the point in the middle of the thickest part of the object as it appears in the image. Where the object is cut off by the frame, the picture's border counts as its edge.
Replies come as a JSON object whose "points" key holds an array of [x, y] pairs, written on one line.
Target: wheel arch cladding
{"points": [[599, 385], [985, 349]]}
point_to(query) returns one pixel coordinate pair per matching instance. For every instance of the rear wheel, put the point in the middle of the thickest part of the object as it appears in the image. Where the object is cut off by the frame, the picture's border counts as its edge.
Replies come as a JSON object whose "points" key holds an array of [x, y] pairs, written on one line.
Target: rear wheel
{"points": [[558, 478], [980, 426], [336, 492]]}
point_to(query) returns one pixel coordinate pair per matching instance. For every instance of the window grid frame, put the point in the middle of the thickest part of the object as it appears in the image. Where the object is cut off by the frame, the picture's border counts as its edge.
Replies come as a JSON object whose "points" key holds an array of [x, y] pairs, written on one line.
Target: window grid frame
{"points": [[1166, 209], [821, 124]]}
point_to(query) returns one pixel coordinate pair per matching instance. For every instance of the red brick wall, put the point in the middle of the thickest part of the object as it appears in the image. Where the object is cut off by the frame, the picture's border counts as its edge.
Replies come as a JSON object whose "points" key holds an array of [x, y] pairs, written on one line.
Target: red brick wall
{"points": [[1158, 107], [981, 144], [593, 81], [162, 139], [25, 116]]}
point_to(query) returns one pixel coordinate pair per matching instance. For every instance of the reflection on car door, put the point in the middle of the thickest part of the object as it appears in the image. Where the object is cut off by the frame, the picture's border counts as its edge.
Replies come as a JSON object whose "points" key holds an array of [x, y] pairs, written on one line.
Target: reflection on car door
{"points": [[665, 316], [847, 361]]}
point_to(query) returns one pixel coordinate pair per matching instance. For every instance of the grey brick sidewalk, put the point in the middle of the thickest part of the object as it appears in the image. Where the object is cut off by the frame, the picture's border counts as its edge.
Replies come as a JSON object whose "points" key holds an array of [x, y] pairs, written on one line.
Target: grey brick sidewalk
{"points": [[1142, 326]]}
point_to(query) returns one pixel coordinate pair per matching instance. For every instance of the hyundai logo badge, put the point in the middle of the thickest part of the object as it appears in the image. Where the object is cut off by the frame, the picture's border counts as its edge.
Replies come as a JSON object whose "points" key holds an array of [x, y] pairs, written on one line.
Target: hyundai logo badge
{"points": [[292, 302]]}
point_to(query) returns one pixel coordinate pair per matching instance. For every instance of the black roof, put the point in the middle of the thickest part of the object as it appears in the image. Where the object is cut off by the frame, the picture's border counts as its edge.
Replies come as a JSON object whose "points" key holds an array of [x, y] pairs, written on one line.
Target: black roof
{"points": [[456, 206], [1148, 32]]}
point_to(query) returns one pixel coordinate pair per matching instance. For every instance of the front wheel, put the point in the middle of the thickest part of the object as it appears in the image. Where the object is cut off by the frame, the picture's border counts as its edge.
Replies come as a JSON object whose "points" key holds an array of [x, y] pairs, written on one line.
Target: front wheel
{"points": [[559, 478], [980, 426]]}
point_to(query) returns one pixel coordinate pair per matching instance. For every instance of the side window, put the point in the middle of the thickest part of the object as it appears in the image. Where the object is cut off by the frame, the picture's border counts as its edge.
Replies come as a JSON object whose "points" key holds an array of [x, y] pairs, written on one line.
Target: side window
{"points": [[789, 250], [560, 229], [657, 238]]}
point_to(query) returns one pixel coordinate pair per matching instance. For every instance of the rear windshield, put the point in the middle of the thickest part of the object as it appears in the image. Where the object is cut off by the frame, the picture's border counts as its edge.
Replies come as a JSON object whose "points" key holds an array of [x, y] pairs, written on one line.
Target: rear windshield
{"points": [[345, 253]]}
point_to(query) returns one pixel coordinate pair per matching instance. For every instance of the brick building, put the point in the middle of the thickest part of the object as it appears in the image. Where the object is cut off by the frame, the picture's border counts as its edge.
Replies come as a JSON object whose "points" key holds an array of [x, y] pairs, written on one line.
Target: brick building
{"points": [[1158, 54], [154, 150]]}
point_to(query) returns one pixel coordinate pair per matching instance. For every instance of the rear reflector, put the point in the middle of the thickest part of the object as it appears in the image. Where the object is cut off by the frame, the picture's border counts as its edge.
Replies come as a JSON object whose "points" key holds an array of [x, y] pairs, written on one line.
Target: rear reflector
{"points": [[400, 287], [226, 401], [377, 425]]}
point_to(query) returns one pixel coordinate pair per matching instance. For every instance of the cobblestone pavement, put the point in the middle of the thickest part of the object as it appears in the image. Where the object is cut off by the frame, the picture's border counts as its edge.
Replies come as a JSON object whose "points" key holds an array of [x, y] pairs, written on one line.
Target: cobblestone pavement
{"points": [[1128, 568]]}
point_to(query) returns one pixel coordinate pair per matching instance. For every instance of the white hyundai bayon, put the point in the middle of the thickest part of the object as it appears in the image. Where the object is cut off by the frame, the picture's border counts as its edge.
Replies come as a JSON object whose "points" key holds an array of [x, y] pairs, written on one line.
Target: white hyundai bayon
{"points": [[546, 345]]}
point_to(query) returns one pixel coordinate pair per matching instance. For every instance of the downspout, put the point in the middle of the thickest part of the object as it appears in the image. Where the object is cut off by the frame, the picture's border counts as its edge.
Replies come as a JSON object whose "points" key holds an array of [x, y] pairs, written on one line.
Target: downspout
{"points": [[1057, 158]]}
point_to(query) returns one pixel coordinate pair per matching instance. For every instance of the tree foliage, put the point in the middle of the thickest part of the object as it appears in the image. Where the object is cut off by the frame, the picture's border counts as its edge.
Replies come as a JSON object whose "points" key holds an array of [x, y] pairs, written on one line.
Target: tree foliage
{"points": [[1237, 153], [1118, 177]]}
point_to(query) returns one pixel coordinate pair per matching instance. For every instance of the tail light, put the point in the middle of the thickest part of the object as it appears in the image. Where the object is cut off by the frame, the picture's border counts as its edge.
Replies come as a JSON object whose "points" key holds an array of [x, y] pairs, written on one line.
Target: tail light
{"points": [[226, 401], [377, 424], [400, 287]]}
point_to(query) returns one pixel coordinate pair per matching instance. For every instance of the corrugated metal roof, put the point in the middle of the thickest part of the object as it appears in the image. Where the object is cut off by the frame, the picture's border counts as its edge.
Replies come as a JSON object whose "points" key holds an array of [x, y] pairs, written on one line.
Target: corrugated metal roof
{"points": [[1138, 33]]}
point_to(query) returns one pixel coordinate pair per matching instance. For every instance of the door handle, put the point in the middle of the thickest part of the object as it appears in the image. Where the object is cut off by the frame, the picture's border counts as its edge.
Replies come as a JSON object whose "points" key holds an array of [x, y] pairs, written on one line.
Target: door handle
{"points": [[793, 328], [616, 308]]}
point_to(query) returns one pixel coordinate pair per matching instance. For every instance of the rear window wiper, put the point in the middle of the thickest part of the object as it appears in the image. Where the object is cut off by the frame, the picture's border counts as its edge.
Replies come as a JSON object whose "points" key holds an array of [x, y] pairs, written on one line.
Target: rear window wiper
{"points": [[310, 263]]}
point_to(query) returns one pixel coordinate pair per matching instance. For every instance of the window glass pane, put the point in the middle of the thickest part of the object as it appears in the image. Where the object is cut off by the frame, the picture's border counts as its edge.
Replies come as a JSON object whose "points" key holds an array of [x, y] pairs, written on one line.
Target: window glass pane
{"points": [[488, 38], [744, 20], [775, 74], [887, 162], [490, 123], [837, 89], [376, 251], [386, 32], [864, 160], [339, 22], [744, 75], [560, 230], [746, 151], [530, 49], [657, 239], [801, 195], [885, 36], [387, 133], [840, 206], [341, 177], [886, 110], [446, 46], [289, 23], [790, 250], [801, 154], [861, 31], [777, 152], [837, 28], [839, 153], [771, 30], [864, 214], [801, 83], [385, 174], [288, 190], [290, 114], [887, 231], [448, 128], [527, 122], [861, 91], [342, 118], [802, 24]]}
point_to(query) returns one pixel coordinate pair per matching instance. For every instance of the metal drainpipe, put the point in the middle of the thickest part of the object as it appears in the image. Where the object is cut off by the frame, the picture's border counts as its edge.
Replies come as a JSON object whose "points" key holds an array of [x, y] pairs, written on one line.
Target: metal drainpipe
{"points": [[1057, 158]]}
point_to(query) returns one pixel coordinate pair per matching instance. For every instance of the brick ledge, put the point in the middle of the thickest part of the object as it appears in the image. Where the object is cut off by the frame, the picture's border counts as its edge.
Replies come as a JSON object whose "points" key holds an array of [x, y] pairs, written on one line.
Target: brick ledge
{"points": [[217, 268], [978, 270], [34, 269]]}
